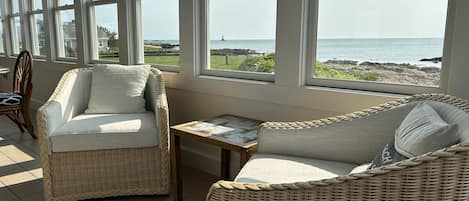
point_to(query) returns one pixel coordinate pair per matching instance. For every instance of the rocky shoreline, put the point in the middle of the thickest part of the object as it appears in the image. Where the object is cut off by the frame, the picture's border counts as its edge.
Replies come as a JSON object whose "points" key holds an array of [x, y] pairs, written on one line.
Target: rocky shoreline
{"points": [[389, 72]]}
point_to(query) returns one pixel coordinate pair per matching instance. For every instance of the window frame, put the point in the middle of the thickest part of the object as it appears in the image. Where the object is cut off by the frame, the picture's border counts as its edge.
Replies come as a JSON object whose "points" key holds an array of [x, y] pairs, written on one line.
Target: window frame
{"points": [[204, 48], [92, 34], [30, 15], [10, 17], [3, 19], [310, 80], [139, 25], [58, 31]]}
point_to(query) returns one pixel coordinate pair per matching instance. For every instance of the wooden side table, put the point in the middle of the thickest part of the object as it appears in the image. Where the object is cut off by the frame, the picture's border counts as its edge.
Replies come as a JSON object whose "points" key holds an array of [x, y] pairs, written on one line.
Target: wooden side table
{"points": [[229, 132]]}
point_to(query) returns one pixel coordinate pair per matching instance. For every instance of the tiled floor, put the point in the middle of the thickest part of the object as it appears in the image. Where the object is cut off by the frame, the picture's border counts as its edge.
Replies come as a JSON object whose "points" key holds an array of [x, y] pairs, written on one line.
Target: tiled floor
{"points": [[21, 173]]}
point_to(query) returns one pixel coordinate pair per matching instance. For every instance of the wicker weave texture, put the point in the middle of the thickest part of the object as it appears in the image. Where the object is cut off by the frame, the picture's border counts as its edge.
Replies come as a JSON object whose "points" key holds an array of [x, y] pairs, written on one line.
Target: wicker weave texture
{"points": [[440, 175], [70, 176]]}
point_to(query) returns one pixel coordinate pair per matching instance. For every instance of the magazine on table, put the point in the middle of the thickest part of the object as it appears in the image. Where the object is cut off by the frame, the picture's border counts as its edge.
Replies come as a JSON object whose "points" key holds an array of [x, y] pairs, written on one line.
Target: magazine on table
{"points": [[228, 128]]}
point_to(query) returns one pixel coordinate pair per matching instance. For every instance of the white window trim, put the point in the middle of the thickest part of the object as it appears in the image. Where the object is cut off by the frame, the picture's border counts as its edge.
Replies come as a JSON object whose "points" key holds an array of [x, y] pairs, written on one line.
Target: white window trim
{"points": [[204, 48], [34, 40], [14, 41], [58, 31], [368, 85], [3, 14], [92, 34]]}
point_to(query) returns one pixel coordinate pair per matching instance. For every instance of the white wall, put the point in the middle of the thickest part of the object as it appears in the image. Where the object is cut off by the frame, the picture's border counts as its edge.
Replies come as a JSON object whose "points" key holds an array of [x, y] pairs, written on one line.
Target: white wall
{"points": [[194, 97]]}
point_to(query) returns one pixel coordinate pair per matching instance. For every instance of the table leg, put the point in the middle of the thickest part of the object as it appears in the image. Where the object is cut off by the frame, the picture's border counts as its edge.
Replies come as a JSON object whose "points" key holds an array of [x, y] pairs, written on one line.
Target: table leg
{"points": [[225, 164], [176, 167], [245, 156]]}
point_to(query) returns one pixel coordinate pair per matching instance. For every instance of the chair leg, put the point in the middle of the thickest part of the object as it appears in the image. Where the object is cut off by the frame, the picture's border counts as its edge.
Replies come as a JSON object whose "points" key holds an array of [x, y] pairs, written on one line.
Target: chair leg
{"points": [[27, 122], [15, 118]]}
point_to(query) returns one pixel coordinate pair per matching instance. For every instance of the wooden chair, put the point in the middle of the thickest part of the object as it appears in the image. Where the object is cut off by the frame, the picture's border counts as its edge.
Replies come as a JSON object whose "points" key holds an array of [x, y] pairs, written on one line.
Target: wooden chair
{"points": [[15, 104]]}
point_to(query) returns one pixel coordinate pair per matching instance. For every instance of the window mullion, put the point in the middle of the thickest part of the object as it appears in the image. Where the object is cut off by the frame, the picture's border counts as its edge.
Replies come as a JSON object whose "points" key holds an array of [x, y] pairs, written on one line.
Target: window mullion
{"points": [[188, 37], [26, 26], [289, 42], [124, 13], [49, 32]]}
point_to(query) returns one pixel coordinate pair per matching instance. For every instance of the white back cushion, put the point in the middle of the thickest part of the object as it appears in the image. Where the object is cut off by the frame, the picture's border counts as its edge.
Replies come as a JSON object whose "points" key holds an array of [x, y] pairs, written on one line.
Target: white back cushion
{"points": [[118, 89]]}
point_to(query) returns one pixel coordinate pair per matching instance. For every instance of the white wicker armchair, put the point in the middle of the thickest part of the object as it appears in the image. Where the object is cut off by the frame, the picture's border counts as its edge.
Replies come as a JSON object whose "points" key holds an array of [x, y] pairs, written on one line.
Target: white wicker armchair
{"points": [[354, 139], [94, 173]]}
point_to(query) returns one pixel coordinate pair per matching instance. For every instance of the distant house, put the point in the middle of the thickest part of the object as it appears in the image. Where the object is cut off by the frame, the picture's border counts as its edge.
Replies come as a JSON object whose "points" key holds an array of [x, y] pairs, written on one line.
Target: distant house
{"points": [[70, 39]]}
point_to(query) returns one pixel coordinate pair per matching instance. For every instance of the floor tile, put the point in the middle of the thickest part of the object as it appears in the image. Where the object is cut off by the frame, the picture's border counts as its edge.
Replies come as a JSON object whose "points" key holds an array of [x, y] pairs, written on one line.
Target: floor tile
{"points": [[5, 161], [6, 195], [28, 189], [36, 173], [15, 154], [10, 169], [17, 178], [21, 173]]}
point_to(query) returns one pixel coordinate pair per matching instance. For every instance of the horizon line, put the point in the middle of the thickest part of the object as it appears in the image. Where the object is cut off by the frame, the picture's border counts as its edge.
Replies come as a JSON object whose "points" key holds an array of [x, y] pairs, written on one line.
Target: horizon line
{"points": [[318, 38]]}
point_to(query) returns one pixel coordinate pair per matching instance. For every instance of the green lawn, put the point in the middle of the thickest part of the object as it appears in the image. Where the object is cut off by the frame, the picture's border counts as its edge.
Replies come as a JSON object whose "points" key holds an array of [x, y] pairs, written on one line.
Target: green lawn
{"points": [[217, 61]]}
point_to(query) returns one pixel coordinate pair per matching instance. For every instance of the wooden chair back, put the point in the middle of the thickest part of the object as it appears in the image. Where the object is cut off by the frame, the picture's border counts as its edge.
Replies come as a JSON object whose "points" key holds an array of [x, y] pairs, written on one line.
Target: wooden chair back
{"points": [[23, 73]]}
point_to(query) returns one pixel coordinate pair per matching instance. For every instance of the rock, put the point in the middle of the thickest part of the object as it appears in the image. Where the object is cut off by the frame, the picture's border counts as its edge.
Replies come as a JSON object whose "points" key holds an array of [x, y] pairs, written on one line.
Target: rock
{"points": [[430, 69], [342, 62], [369, 63], [434, 59]]}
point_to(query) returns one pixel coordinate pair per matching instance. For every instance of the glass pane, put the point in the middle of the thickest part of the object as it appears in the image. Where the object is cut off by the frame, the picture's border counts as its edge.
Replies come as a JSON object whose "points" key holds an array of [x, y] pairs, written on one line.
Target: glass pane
{"points": [[107, 35], [161, 31], [242, 35], [39, 35], [2, 47], [67, 36], [16, 37], [37, 5], [15, 7], [65, 2], [391, 41]]}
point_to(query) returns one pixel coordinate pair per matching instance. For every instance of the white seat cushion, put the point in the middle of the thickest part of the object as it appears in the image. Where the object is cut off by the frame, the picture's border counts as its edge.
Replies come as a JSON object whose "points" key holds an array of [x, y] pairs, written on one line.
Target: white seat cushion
{"points": [[105, 131], [275, 169]]}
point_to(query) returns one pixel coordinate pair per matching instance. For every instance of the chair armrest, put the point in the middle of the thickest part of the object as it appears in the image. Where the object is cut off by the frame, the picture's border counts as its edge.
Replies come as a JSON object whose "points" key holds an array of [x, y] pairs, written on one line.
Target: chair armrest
{"points": [[338, 138], [69, 99], [155, 95]]}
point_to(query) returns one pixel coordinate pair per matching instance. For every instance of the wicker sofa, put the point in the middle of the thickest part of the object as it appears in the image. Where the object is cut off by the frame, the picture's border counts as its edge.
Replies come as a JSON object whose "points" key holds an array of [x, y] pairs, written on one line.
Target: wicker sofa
{"points": [[110, 164], [320, 160]]}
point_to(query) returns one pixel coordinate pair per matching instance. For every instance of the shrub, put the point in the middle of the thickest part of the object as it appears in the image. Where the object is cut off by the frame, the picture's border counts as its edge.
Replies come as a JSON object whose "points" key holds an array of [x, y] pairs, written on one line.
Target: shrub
{"points": [[325, 71], [265, 64]]}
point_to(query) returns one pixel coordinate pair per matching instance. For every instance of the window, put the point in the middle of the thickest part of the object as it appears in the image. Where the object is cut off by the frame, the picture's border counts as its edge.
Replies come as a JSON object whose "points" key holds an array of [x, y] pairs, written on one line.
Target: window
{"points": [[37, 4], [37, 29], [241, 38], [15, 20], [2, 33], [65, 29], [64, 2], [387, 41], [104, 31], [160, 25]]}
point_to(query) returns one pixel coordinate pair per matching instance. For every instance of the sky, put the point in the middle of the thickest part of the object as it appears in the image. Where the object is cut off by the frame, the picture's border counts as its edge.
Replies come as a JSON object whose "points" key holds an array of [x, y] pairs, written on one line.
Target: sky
{"points": [[255, 19]]}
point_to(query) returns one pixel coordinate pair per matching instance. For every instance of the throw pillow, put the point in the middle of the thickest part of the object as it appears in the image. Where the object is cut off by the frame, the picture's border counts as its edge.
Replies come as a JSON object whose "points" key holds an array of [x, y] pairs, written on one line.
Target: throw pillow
{"points": [[387, 156], [424, 131], [118, 89], [421, 131]]}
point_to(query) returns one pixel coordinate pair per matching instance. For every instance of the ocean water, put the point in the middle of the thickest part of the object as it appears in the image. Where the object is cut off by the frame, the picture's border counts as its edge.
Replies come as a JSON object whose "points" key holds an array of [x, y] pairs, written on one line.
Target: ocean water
{"points": [[395, 50]]}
